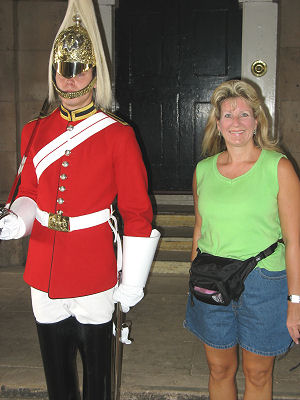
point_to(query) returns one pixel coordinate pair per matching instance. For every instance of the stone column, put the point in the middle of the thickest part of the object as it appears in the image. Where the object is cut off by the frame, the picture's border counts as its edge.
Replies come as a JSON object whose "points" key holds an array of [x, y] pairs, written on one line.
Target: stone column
{"points": [[107, 15], [289, 79], [259, 43], [28, 31], [11, 253], [8, 73]]}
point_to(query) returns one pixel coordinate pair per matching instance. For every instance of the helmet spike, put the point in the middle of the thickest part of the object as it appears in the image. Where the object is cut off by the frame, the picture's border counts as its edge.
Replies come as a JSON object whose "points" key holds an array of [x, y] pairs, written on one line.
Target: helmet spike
{"points": [[77, 19]]}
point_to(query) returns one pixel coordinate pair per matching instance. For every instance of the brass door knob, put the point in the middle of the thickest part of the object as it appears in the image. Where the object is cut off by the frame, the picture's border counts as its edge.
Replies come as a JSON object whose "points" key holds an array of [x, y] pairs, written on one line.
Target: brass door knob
{"points": [[259, 68]]}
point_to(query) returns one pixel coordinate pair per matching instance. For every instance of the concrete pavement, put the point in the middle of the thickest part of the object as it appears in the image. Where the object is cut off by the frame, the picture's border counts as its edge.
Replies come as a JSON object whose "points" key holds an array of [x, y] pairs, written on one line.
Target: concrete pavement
{"points": [[165, 362]]}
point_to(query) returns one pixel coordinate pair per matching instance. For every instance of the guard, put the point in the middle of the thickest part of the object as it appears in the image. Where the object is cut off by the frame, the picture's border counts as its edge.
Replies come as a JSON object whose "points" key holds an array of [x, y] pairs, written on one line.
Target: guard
{"points": [[80, 160]]}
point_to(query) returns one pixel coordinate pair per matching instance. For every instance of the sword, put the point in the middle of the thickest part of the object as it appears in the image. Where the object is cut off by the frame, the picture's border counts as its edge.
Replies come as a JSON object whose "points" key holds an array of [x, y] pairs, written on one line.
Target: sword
{"points": [[122, 327], [6, 210], [117, 351]]}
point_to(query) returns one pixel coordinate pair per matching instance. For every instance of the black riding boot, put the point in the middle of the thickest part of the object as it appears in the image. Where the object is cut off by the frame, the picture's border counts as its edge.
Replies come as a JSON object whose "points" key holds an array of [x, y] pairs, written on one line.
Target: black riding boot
{"points": [[59, 349], [94, 342]]}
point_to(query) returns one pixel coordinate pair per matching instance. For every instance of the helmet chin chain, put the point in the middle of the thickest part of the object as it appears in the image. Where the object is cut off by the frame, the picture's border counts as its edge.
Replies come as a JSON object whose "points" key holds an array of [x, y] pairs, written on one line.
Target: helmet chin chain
{"points": [[78, 93]]}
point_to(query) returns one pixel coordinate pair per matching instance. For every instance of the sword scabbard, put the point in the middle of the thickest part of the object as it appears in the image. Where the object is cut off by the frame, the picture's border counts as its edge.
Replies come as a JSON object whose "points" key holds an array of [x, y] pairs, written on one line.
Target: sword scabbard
{"points": [[117, 352]]}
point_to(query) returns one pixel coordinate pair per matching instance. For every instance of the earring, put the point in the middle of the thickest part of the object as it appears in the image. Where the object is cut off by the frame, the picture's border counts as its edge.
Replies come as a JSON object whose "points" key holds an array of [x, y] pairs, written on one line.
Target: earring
{"points": [[219, 133], [254, 131]]}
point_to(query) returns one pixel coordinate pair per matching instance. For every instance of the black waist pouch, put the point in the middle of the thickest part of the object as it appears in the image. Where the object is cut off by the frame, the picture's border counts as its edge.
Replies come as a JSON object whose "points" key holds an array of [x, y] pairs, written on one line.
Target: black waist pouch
{"points": [[218, 280]]}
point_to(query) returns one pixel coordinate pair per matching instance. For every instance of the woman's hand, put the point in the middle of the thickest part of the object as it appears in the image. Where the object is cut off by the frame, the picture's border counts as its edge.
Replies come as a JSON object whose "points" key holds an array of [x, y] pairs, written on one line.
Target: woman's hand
{"points": [[293, 321]]}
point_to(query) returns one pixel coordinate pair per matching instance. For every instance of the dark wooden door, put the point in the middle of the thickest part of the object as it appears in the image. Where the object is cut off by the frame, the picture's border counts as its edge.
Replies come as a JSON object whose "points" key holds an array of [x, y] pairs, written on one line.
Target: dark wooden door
{"points": [[170, 55]]}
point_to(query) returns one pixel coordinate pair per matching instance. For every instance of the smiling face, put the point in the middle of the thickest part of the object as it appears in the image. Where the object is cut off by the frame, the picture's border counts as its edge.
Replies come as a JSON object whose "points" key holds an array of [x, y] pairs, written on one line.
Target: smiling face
{"points": [[237, 122]]}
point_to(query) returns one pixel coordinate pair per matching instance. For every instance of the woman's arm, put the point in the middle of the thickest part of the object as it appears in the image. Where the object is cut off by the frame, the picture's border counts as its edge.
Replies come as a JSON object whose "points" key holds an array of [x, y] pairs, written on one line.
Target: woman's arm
{"points": [[289, 213], [197, 227]]}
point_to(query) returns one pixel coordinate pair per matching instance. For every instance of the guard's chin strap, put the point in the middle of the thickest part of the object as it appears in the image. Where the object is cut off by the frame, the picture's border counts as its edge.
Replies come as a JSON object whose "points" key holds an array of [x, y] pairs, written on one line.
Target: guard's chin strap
{"points": [[78, 93]]}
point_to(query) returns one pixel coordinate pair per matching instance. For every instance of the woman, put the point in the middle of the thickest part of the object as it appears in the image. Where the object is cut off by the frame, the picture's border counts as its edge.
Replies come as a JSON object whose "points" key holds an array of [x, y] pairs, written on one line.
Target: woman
{"points": [[246, 196]]}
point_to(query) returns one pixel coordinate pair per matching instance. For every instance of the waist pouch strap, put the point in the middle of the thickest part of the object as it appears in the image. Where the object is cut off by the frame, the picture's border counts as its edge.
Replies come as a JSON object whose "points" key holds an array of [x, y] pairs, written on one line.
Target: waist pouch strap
{"points": [[253, 261]]}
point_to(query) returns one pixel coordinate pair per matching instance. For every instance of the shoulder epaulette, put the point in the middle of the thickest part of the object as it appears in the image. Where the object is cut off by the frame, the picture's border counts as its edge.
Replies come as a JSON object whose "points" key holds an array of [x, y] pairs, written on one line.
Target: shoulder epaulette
{"points": [[113, 116], [42, 116]]}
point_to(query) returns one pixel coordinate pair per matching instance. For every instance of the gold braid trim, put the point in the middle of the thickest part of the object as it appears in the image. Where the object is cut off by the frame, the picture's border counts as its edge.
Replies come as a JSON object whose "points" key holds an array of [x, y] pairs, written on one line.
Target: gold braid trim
{"points": [[113, 116], [74, 95]]}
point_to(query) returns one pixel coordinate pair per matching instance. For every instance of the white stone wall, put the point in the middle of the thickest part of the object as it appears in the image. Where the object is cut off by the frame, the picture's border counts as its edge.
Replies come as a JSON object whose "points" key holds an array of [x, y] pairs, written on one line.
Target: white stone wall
{"points": [[27, 32], [288, 77], [7, 98]]}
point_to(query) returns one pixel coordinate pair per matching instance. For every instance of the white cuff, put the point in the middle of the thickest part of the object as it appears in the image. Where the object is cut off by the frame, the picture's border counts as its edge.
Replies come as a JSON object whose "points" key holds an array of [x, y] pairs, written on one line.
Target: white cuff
{"points": [[25, 208], [138, 254]]}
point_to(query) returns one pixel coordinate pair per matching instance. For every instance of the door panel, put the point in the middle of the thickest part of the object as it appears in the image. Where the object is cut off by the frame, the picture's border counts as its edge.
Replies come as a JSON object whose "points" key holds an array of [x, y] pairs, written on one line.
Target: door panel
{"points": [[170, 55]]}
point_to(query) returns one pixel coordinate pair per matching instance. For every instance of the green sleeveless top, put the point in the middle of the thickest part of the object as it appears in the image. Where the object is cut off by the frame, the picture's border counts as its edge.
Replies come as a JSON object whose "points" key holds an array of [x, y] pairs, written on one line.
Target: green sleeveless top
{"points": [[240, 216]]}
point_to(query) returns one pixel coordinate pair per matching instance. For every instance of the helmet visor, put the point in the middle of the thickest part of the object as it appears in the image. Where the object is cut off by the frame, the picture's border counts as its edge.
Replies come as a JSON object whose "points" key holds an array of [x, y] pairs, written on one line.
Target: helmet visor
{"points": [[70, 69]]}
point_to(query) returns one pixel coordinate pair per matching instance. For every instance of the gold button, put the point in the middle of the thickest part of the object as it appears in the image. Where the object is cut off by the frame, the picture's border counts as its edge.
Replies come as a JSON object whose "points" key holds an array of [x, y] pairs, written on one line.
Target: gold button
{"points": [[60, 200], [59, 212], [63, 176], [61, 188], [65, 164], [67, 152]]}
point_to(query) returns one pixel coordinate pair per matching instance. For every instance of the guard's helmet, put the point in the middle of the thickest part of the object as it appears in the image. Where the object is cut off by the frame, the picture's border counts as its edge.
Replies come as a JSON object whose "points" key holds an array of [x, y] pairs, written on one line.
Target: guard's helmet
{"points": [[73, 51], [77, 48]]}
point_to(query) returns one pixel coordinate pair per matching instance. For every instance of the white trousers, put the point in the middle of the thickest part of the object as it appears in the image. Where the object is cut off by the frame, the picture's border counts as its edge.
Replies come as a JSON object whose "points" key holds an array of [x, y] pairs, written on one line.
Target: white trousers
{"points": [[93, 309]]}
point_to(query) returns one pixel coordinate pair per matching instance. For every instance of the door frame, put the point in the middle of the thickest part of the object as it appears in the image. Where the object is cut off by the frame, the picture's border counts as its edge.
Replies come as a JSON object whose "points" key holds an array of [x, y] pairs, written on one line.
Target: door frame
{"points": [[259, 43]]}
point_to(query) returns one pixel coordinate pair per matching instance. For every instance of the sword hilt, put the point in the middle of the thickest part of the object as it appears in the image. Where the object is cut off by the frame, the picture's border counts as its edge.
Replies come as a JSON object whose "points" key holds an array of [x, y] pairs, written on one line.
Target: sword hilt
{"points": [[4, 212]]}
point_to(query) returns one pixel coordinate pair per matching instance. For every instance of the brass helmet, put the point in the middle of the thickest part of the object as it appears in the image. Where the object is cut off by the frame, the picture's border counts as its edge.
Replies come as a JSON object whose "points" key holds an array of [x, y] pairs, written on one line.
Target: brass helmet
{"points": [[77, 48], [73, 51]]}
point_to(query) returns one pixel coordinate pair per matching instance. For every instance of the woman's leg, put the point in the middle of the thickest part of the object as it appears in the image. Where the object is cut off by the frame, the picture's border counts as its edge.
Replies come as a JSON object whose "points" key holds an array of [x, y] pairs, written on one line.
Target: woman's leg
{"points": [[222, 365], [258, 371]]}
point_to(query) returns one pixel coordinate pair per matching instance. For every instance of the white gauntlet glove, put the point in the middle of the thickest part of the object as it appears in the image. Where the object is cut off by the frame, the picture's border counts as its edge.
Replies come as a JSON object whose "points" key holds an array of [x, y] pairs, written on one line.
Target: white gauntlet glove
{"points": [[128, 296], [18, 223], [138, 254]]}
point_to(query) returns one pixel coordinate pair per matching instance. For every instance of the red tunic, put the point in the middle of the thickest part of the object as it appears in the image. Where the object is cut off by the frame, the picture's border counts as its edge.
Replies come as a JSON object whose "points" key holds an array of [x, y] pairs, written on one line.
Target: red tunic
{"points": [[106, 165]]}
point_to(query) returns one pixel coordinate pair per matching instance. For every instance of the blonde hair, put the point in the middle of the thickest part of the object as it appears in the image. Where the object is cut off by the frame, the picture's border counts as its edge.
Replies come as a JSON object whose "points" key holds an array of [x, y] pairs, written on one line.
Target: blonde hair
{"points": [[213, 142], [85, 10]]}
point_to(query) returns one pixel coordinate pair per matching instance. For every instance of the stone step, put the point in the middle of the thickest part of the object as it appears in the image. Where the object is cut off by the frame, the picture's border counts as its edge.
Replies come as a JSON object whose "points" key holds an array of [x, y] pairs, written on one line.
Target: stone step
{"points": [[175, 244], [176, 224], [174, 209], [176, 255], [172, 257], [172, 220], [170, 267], [176, 231], [173, 199]]}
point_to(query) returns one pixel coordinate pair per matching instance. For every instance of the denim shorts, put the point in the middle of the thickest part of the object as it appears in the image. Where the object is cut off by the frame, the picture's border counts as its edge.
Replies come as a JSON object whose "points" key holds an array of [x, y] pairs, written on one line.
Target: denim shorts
{"points": [[257, 321]]}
